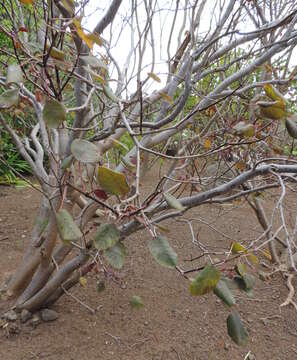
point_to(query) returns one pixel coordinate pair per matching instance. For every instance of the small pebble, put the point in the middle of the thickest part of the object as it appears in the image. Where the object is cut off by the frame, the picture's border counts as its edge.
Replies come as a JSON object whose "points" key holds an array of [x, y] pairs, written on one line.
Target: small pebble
{"points": [[35, 321], [227, 346], [48, 315], [11, 315], [25, 315]]}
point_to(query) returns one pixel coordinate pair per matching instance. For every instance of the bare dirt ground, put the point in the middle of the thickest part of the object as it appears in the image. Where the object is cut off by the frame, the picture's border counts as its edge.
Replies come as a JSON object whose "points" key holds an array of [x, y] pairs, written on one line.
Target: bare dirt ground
{"points": [[172, 325]]}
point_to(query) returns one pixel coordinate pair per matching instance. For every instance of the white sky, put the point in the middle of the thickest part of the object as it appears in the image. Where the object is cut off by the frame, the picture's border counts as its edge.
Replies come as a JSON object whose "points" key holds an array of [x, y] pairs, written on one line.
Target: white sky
{"points": [[120, 37]]}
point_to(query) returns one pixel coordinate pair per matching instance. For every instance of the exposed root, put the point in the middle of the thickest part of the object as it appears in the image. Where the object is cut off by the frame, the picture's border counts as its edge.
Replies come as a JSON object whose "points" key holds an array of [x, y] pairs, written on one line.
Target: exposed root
{"points": [[290, 296]]}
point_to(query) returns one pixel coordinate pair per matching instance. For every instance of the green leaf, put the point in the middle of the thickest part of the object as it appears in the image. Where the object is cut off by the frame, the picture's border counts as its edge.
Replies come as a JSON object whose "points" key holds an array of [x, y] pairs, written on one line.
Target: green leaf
{"points": [[67, 228], [115, 255], [240, 268], [224, 293], [206, 281], [54, 113], [249, 281], [93, 62], [136, 302], [9, 98], [173, 202], [57, 53], [112, 182], [236, 330], [85, 151], [67, 161], [106, 236], [162, 252], [291, 125], [14, 74]]}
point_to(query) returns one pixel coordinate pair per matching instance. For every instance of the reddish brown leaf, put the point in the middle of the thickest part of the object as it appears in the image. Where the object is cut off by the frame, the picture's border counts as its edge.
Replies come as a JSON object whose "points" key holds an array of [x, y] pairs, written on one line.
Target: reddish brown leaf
{"points": [[23, 29], [100, 194]]}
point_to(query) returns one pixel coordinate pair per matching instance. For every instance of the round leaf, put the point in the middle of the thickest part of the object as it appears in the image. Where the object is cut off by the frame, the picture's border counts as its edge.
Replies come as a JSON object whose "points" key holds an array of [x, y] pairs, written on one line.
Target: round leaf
{"points": [[83, 281], [206, 281], [67, 228], [115, 255], [9, 98], [57, 54], [136, 302], [112, 182], [291, 126], [84, 151], [162, 252], [67, 161], [54, 113], [14, 74], [106, 236], [238, 248], [224, 293], [272, 110], [236, 330], [173, 202]]}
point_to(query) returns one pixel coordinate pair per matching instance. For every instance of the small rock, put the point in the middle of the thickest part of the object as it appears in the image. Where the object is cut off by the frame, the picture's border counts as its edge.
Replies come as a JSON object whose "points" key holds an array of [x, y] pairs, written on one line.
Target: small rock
{"points": [[227, 346], [35, 321], [146, 323], [25, 315], [11, 315], [48, 315]]}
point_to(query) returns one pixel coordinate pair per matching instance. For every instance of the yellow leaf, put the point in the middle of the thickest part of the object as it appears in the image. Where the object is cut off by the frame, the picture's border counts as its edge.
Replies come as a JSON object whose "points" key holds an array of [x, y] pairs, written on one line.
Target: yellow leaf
{"points": [[57, 54], [166, 97], [83, 281], [112, 182], [27, 2], [273, 93], [154, 77], [86, 38], [272, 110], [207, 144], [95, 38], [240, 165], [238, 248], [253, 259]]}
